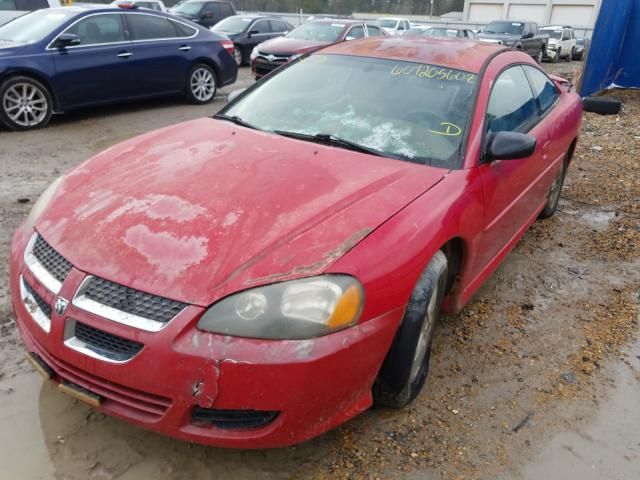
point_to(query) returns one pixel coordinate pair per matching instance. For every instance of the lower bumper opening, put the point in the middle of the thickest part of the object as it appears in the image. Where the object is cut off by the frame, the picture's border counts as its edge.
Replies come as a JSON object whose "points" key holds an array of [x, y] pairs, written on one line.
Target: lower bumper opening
{"points": [[232, 419]]}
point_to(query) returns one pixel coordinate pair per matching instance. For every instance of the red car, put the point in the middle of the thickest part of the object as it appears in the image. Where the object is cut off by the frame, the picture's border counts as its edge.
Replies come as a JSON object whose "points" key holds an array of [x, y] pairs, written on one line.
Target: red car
{"points": [[257, 278], [308, 37]]}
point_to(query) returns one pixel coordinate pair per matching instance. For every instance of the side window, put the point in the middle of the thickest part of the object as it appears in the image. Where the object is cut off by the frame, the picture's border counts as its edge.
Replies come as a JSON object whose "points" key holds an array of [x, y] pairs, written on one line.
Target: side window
{"points": [[355, 32], [277, 26], [184, 30], [210, 11], [8, 5], [150, 27], [512, 107], [261, 26], [544, 89], [401, 25], [98, 29], [374, 31]]}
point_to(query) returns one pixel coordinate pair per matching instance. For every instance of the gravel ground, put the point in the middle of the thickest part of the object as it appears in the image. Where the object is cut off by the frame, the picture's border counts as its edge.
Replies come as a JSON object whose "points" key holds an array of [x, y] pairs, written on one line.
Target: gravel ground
{"points": [[528, 379]]}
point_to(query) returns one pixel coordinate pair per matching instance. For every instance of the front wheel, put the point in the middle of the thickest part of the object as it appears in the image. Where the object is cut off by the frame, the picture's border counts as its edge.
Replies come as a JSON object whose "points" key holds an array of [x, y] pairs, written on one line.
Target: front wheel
{"points": [[405, 368], [554, 192], [26, 104], [201, 84]]}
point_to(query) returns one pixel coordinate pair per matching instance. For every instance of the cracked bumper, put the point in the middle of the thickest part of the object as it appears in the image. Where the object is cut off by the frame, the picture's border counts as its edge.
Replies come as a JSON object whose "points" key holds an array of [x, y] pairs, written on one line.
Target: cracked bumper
{"points": [[315, 384]]}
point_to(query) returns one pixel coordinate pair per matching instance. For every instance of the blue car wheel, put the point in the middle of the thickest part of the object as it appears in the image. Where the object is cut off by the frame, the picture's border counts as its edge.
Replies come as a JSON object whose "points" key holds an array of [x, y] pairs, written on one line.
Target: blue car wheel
{"points": [[201, 84], [25, 103]]}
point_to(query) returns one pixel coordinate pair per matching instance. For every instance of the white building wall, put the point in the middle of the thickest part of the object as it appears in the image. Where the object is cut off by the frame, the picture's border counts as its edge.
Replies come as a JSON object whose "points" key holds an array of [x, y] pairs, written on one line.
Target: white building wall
{"points": [[578, 13]]}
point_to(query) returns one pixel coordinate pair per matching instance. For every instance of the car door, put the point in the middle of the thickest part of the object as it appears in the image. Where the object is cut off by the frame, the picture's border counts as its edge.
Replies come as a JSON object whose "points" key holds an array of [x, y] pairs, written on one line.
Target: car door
{"points": [[161, 53], [278, 28], [513, 189], [99, 68], [259, 32]]}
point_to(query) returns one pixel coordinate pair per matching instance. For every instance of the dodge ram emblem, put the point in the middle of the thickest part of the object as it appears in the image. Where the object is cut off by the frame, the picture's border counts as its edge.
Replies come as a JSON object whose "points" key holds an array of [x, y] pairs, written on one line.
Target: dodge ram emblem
{"points": [[61, 305]]}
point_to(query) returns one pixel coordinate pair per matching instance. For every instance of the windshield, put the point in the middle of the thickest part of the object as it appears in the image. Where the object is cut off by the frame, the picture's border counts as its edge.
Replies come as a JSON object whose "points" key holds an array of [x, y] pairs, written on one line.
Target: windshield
{"points": [[509, 28], [440, 32], [580, 41], [408, 111], [232, 25], [191, 9], [553, 33], [387, 23], [34, 26], [318, 31]]}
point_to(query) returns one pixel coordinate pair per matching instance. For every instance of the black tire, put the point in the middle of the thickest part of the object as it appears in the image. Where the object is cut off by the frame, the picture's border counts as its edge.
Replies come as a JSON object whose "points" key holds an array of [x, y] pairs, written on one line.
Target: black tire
{"points": [[25, 103], [554, 192], [539, 56], [405, 368], [579, 56], [602, 105], [201, 84]]}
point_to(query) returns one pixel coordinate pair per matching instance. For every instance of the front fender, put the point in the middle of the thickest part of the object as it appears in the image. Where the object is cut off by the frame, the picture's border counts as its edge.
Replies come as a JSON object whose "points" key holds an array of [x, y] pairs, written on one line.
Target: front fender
{"points": [[390, 260]]}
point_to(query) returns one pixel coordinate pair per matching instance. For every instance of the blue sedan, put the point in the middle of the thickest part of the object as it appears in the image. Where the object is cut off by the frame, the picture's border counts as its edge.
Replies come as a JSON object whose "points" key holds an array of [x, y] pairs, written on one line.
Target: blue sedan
{"points": [[60, 59]]}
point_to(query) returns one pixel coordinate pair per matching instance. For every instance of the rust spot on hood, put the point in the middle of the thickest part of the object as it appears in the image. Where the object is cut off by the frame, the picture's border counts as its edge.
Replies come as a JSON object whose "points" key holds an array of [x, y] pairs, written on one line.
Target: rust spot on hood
{"points": [[327, 259]]}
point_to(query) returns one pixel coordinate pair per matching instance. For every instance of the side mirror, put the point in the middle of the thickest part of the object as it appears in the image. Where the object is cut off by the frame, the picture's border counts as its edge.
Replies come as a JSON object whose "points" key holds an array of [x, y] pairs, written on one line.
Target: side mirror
{"points": [[67, 40], [528, 35], [233, 95], [509, 146], [206, 16], [349, 37], [251, 33]]}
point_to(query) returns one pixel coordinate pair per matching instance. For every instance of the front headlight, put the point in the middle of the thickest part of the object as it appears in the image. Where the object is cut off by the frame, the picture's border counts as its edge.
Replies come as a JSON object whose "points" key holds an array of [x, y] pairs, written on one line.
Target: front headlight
{"points": [[297, 309], [41, 204]]}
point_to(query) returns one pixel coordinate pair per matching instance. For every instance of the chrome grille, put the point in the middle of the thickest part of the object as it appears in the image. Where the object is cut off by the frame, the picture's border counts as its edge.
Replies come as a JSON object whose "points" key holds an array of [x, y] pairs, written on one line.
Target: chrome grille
{"points": [[132, 301], [40, 302], [98, 343], [51, 260]]}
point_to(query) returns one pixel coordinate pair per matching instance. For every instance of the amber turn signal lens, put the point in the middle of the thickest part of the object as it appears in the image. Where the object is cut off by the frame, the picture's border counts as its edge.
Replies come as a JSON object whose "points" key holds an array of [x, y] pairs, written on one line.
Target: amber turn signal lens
{"points": [[347, 309]]}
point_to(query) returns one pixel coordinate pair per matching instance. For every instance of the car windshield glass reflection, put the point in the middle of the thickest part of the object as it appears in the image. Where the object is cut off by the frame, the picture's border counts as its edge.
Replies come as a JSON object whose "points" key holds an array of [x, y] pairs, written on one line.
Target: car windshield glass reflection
{"points": [[320, 32], [507, 28], [34, 26], [233, 25], [408, 111]]}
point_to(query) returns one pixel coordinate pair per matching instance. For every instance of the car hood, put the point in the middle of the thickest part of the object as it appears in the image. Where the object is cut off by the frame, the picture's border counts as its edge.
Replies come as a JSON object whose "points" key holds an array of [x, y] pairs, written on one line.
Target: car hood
{"points": [[201, 209], [284, 45], [11, 49]]}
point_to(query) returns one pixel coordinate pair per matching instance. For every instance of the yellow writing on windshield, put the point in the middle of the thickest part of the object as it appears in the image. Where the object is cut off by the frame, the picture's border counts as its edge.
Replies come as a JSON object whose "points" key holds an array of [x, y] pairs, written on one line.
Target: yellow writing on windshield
{"points": [[429, 71], [448, 130]]}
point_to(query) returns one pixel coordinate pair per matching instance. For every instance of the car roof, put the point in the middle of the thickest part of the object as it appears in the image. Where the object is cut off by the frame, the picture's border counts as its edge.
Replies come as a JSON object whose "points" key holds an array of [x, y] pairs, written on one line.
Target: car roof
{"points": [[469, 55], [345, 21]]}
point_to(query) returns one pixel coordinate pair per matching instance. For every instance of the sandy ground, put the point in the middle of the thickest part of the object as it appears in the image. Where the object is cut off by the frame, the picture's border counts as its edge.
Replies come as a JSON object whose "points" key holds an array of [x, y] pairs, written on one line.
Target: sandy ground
{"points": [[537, 378]]}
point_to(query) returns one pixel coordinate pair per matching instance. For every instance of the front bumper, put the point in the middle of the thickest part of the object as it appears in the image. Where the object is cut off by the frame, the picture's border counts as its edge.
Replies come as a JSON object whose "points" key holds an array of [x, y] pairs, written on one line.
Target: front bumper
{"points": [[313, 385]]}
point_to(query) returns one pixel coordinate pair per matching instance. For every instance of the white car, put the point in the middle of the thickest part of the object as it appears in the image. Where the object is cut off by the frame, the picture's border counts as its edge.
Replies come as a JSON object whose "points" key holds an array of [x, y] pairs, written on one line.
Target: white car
{"points": [[156, 5], [10, 9], [394, 26], [562, 42]]}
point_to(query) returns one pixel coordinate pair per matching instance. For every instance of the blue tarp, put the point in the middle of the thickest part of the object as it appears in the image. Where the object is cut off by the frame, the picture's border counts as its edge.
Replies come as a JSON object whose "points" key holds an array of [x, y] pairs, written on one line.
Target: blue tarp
{"points": [[614, 57]]}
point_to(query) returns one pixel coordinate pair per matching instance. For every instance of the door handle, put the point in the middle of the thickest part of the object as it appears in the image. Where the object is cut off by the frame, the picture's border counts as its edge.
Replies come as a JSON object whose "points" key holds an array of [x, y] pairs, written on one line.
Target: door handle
{"points": [[185, 48], [125, 54]]}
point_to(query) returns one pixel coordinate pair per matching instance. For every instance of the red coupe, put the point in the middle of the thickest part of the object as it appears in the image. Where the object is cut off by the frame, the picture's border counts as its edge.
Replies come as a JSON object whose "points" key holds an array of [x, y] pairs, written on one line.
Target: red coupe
{"points": [[257, 278]]}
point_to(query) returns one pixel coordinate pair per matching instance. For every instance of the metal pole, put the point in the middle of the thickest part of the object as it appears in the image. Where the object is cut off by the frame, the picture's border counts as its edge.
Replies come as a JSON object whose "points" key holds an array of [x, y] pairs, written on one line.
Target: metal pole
{"points": [[431, 14]]}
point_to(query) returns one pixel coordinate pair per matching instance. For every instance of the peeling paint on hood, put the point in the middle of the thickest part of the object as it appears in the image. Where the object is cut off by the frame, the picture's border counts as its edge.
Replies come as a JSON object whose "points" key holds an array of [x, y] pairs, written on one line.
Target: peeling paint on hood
{"points": [[201, 209]]}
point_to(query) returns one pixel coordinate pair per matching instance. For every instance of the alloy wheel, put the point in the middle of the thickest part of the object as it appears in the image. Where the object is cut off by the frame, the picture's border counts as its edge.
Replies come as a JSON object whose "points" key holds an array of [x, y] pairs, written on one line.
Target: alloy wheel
{"points": [[237, 54], [25, 104], [556, 187], [203, 85]]}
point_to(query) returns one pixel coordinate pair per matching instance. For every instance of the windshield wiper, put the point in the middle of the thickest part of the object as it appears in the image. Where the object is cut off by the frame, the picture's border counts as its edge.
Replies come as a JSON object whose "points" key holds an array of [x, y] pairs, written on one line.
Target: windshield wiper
{"points": [[334, 141], [235, 119]]}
